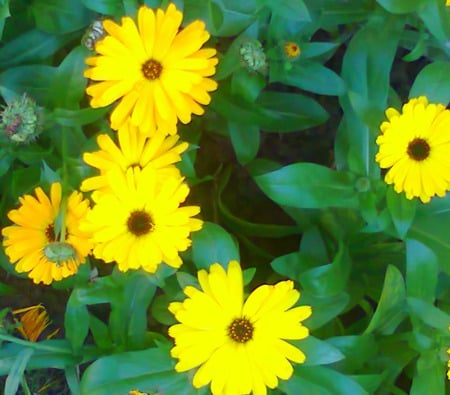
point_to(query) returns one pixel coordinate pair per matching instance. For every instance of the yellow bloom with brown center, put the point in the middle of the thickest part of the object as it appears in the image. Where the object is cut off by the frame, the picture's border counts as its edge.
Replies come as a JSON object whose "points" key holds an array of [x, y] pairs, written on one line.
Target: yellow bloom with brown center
{"points": [[292, 49], [239, 347], [32, 321], [36, 245], [415, 146], [156, 70], [134, 150], [139, 223]]}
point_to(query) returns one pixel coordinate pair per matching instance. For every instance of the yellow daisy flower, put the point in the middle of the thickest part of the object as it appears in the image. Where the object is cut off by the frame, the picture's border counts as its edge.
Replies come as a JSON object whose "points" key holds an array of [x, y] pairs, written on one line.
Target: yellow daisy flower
{"points": [[156, 70], [148, 226], [238, 346], [32, 322], [292, 49], [415, 146], [134, 149], [35, 243]]}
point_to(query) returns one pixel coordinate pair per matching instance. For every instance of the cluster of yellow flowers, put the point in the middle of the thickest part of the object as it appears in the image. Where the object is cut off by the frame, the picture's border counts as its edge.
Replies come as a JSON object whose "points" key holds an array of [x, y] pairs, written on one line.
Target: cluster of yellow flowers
{"points": [[157, 75]]}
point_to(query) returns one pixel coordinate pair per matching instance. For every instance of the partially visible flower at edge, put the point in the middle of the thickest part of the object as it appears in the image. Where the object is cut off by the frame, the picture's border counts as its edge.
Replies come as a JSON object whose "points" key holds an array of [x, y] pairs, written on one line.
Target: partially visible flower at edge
{"points": [[134, 150], [158, 72], [21, 120], [291, 49], [33, 244], [238, 346], [415, 146], [148, 223], [32, 321]]}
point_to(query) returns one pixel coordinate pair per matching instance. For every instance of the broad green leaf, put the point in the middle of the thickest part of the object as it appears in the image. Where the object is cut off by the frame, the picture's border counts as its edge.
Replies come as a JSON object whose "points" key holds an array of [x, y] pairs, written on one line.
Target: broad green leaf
{"points": [[17, 369], [81, 117], [100, 332], [4, 13], [60, 16], [358, 350], [245, 140], [290, 9], [429, 314], [321, 381], [318, 352], [31, 46], [106, 7], [209, 12], [76, 324], [102, 290], [436, 19], [246, 84], [308, 75], [422, 271], [212, 244], [433, 82], [428, 377], [402, 211], [391, 309], [149, 370], [401, 6], [308, 185]]}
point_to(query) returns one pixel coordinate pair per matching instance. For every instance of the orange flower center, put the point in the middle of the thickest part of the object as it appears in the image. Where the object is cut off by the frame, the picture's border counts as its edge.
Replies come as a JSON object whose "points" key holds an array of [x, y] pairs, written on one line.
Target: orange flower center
{"points": [[291, 49], [418, 149], [151, 69], [241, 330]]}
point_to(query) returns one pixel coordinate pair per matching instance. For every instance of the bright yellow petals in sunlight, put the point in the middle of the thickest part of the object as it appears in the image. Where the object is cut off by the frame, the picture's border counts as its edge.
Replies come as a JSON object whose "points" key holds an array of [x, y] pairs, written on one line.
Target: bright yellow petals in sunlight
{"points": [[36, 244], [32, 321], [139, 223], [134, 150], [415, 146], [239, 347], [155, 70]]}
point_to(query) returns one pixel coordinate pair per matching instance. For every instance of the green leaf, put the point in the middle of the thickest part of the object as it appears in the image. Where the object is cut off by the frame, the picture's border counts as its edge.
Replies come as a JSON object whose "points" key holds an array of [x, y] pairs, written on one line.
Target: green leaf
{"points": [[308, 185], [290, 9], [358, 350], [308, 75], [31, 46], [428, 378], [436, 19], [402, 211], [429, 314], [245, 140], [246, 84], [318, 352], [76, 324], [68, 86], [422, 271], [401, 6], [100, 332], [324, 309], [60, 16], [391, 306], [17, 369], [4, 13], [212, 244], [433, 82], [321, 381], [106, 7], [150, 370]]}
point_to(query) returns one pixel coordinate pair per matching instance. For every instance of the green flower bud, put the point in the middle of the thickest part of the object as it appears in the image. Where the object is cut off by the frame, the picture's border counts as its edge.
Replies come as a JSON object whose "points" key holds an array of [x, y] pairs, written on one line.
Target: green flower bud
{"points": [[21, 120], [253, 56]]}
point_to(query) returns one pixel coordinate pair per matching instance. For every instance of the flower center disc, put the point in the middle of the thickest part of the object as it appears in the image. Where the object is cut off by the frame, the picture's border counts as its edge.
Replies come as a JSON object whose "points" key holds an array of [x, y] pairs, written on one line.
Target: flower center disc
{"points": [[240, 330], [139, 223], [151, 69], [418, 149]]}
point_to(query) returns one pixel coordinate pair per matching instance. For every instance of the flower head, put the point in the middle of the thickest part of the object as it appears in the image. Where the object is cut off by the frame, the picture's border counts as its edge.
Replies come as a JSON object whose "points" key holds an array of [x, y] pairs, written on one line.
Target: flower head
{"points": [[291, 50], [238, 346], [21, 120], [32, 321], [36, 244], [253, 56], [134, 150], [148, 226], [157, 72], [415, 146]]}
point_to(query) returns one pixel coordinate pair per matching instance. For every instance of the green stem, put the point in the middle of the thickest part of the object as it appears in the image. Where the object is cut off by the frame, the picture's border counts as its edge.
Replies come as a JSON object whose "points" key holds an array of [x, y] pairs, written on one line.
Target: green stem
{"points": [[35, 345], [64, 176], [25, 387]]}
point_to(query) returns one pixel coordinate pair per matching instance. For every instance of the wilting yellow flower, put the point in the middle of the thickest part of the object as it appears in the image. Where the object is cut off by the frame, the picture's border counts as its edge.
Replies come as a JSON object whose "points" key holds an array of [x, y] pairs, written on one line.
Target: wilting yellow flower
{"points": [[238, 346], [156, 70], [415, 145], [32, 321], [134, 149], [291, 49], [35, 243], [140, 223]]}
